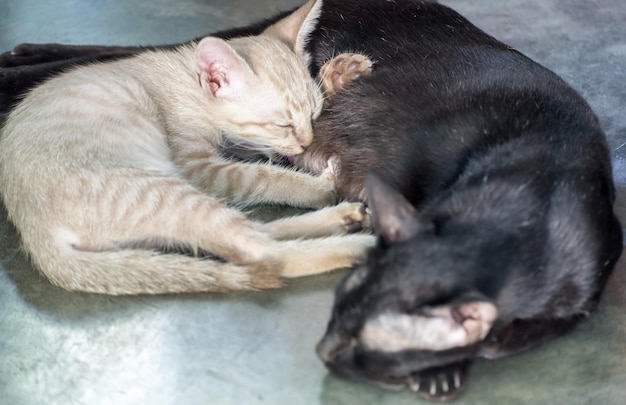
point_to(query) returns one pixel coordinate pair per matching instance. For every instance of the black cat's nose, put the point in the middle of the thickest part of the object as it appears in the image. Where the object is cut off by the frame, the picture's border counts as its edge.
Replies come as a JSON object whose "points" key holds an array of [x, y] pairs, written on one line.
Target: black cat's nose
{"points": [[332, 346]]}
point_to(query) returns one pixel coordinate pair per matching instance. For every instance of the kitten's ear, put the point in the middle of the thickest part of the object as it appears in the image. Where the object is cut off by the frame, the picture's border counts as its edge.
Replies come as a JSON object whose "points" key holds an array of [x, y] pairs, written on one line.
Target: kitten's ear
{"points": [[223, 73], [393, 217], [296, 28]]}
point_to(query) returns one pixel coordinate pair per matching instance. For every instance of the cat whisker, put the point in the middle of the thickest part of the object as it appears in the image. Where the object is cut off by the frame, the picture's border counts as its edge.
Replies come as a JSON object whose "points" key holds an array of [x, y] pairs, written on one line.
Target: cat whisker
{"points": [[244, 148]]}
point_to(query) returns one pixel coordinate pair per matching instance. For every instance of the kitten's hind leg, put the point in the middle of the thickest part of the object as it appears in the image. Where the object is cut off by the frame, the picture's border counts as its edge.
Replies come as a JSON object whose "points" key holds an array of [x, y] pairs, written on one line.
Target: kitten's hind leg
{"points": [[179, 212], [342, 218], [298, 258], [343, 69]]}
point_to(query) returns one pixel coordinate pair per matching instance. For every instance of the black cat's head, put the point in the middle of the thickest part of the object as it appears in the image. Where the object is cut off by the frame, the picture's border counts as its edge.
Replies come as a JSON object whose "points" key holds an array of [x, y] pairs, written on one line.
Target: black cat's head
{"points": [[408, 308]]}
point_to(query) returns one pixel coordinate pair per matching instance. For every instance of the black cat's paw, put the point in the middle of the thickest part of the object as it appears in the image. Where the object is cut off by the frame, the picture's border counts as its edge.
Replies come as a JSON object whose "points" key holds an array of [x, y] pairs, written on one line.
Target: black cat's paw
{"points": [[27, 49], [437, 328], [52, 56], [27, 54], [343, 69], [440, 384]]}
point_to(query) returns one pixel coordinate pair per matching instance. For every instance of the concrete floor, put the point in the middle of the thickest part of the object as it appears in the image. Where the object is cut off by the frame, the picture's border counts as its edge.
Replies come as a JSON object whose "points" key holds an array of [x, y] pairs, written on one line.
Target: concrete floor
{"points": [[64, 348]]}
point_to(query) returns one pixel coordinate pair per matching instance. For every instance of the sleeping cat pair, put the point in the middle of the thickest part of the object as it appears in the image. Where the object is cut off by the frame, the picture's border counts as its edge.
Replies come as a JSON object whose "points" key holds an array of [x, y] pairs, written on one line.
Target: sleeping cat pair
{"points": [[491, 196]]}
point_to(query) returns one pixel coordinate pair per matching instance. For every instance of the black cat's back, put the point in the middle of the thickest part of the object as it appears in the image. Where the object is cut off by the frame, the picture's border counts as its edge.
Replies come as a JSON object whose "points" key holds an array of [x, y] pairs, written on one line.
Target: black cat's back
{"points": [[416, 115]]}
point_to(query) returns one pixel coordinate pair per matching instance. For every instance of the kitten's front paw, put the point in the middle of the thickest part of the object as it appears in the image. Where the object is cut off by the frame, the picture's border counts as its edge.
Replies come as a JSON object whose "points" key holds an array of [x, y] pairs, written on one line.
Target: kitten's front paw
{"points": [[323, 192], [353, 217], [343, 69], [325, 184]]}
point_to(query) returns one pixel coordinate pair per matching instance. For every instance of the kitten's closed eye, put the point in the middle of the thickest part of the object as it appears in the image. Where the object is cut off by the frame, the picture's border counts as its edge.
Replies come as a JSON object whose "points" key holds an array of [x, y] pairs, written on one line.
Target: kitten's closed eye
{"points": [[285, 125]]}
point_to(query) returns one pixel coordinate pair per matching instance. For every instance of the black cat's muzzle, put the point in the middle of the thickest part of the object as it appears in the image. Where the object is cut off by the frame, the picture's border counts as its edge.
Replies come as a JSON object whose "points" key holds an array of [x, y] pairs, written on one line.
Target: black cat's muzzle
{"points": [[341, 355], [345, 357]]}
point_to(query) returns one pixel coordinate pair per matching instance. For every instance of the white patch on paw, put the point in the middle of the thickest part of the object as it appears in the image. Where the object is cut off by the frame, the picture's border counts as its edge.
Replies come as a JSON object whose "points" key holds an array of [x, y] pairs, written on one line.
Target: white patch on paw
{"points": [[438, 330]]}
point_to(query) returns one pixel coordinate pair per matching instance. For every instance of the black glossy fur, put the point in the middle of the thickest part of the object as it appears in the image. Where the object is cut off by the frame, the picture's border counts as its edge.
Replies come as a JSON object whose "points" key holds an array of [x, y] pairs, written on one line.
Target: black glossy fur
{"points": [[504, 178]]}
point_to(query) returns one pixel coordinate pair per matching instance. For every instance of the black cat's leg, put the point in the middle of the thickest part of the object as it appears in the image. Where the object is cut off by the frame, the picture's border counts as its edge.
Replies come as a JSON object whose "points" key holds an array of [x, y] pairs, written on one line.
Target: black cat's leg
{"points": [[521, 335], [29, 64], [435, 329], [440, 383], [33, 54], [343, 69]]}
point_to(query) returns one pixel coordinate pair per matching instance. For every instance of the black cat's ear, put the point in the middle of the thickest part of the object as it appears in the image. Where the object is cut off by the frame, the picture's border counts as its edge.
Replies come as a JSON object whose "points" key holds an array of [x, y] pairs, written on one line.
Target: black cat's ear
{"points": [[393, 217], [296, 28]]}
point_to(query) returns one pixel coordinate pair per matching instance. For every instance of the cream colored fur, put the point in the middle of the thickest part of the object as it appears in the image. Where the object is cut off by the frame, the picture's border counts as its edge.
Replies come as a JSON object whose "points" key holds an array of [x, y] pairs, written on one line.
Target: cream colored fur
{"points": [[102, 167]]}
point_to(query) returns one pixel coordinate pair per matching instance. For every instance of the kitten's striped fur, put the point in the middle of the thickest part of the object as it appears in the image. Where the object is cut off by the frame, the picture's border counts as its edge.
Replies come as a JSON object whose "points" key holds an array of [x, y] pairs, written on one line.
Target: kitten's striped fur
{"points": [[106, 166]]}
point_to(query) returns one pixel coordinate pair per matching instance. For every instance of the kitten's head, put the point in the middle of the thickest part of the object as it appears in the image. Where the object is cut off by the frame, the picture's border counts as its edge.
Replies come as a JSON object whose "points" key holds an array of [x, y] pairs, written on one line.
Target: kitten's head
{"points": [[265, 96], [406, 309]]}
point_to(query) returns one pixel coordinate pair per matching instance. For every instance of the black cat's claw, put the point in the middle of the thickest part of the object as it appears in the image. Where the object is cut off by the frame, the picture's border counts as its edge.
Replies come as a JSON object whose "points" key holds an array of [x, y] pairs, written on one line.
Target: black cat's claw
{"points": [[440, 384]]}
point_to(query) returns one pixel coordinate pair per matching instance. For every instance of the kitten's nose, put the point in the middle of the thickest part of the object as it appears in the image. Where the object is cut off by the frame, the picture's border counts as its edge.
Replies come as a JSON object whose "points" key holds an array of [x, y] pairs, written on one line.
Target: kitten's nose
{"points": [[305, 138], [297, 150]]}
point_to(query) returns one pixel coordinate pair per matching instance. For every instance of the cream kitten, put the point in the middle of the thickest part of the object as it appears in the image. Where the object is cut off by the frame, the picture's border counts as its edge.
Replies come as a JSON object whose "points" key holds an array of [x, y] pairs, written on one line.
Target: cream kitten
{"points": [[104, 168]]}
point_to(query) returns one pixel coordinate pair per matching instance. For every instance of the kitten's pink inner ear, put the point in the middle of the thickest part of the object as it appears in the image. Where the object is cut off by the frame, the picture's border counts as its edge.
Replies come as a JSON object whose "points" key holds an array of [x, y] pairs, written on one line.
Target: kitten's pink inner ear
{"points": [[214, 78], [222, 71]]}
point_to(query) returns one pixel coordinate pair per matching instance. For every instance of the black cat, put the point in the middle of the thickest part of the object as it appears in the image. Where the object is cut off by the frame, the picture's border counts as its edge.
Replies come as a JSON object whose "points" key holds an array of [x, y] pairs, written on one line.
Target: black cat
{"points": [[493, 202], [493, 198]]}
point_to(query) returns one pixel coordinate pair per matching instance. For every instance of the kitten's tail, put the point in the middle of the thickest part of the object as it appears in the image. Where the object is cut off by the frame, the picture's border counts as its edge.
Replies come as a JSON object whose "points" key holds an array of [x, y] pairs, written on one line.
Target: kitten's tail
{"points": [[137, 271]]}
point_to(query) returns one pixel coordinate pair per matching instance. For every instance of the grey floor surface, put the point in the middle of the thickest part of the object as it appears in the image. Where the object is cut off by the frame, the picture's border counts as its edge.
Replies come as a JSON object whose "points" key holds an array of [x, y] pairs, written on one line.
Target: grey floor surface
{"points": [[63, 348]]}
